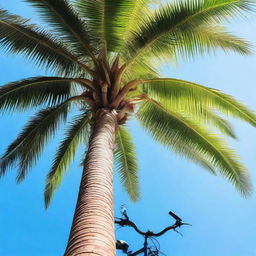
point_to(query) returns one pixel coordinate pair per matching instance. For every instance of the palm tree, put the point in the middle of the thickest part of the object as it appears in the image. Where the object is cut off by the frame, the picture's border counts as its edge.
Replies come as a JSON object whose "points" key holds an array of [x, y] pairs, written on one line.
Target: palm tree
{"points": [[104, 55]]}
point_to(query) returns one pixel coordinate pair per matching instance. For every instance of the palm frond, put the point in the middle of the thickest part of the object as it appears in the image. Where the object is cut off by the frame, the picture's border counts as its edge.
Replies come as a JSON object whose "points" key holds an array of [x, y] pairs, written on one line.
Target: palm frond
{"points": [[140, 69], [18, 37], [77, 133], [111, 20], [179, 92], [182, 18], [214, 120], [203, 116], [126, 162], [194, 110], [66, 23], [205, 39], [31, 141], [132, 20], [34, 91], [198, 158], [93, 12], [174, 131], [189, 44]]}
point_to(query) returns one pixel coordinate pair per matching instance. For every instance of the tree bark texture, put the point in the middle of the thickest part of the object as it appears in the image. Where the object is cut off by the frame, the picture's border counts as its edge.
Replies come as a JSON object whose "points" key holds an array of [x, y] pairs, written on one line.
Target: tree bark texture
{"points": [[92, 231]]}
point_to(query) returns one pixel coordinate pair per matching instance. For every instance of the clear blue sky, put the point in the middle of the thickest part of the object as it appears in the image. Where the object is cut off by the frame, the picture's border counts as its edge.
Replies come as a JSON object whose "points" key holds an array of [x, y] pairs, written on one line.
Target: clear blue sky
{"points": [[223, 222]]}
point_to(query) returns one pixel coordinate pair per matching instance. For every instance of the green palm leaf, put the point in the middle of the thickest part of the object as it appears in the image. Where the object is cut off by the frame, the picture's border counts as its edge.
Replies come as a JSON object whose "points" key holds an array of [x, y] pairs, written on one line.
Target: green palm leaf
{"points": [[111, 20], [78, 132], [93, 12], [35, 91], [203, 116], [198, 158], [18, 37], [213, 120], [178, 20], [140, 69], [126, 162], [204, 39], [196, 111], [132, 19], [65, 21], [198, 41], [174, 131], [31, 141], [178, 92]]}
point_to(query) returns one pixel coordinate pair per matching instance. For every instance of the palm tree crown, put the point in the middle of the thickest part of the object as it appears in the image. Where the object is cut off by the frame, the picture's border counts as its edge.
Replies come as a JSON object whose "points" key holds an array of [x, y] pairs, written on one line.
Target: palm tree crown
{"points": [[104, 55]]}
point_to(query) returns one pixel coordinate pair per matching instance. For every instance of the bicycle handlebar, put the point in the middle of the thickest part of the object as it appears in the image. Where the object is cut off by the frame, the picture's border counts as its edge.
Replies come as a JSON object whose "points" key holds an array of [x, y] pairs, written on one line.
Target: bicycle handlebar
{"points": [[129, 223]]}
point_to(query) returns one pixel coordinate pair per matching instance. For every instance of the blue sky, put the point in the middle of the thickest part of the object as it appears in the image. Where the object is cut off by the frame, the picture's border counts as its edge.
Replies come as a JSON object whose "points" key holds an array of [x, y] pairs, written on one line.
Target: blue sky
{"points": [[223, 222]]}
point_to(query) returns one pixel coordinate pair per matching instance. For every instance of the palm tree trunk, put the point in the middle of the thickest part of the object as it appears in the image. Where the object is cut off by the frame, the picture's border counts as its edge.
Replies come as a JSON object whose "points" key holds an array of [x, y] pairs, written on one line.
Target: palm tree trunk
{"points": [[92, 231]]}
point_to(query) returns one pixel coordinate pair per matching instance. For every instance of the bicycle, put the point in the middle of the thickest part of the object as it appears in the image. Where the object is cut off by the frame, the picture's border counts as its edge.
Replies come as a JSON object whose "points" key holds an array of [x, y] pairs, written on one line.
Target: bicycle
{"points": [[148, 235]]}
